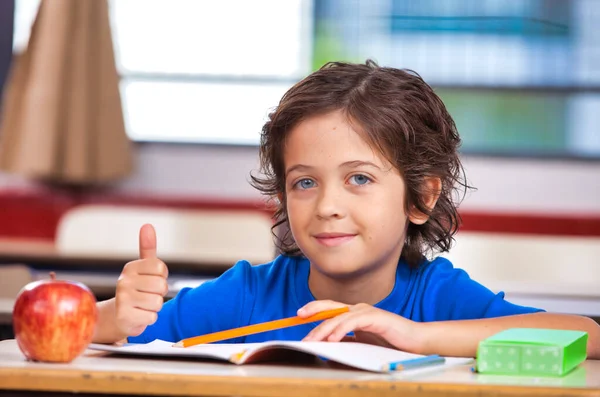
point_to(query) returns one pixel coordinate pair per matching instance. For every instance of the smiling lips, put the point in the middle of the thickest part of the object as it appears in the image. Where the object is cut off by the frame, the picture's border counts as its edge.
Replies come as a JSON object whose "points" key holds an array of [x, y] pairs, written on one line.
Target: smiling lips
{"points": [[333, 239]]}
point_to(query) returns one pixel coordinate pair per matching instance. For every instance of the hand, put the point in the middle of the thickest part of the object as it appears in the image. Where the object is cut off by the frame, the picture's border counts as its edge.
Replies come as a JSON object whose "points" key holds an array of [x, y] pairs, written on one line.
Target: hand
{"points": [[141, 287], [369, 324]]}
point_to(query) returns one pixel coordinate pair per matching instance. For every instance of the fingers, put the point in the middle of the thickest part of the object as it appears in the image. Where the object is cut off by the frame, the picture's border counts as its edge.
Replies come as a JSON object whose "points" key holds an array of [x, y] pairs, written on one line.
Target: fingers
{"points": [[144, 301], [323, 330], [315, 307], [361, 317], [147, 242], [330, 329], [143, 283], [149, 267], [134, 322], [139, 298]]}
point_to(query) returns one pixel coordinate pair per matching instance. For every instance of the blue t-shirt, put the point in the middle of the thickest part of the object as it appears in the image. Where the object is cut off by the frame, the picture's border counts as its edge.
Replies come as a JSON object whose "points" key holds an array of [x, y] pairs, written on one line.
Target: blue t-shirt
{"points": [[246, 294]]}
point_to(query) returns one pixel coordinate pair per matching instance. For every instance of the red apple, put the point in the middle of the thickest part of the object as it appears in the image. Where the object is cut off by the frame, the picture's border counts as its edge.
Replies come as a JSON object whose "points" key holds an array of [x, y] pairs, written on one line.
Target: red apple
{"points": [[54, 320]]}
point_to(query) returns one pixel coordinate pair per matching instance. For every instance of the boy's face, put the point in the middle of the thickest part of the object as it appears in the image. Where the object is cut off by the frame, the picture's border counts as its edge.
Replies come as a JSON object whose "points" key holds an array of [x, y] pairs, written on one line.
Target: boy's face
{"points": [[345, 201]]}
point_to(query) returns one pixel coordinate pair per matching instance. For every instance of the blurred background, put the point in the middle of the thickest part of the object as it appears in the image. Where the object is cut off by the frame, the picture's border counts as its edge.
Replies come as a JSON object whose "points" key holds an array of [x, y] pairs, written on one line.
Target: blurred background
{"points": [[520, 76], [196, 80]]}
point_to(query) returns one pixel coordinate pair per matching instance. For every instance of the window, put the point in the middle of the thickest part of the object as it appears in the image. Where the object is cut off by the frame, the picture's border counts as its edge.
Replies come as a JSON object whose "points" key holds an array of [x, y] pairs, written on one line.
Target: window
{"points": [[208, 71], [520, 77], [201, 71]]}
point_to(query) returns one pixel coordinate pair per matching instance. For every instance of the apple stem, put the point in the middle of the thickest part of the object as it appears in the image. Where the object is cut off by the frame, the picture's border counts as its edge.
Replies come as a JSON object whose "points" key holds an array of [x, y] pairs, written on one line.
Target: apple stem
{"points": [[52, 276]]}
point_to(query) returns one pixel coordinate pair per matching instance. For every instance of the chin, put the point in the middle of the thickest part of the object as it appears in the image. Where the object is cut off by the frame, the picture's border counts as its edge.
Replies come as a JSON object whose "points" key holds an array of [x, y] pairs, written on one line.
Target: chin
{"points": [[335, 271]]}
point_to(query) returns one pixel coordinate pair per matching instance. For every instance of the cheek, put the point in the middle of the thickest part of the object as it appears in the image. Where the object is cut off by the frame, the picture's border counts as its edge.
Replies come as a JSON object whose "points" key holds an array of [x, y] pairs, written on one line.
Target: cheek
{"points": [[385, 232], [385, 217], [295, 212], [297, 222]]}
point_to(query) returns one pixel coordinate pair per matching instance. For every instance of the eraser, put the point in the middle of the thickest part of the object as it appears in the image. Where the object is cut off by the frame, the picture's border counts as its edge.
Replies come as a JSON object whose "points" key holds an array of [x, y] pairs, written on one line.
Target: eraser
{"points": [[532, 351]]}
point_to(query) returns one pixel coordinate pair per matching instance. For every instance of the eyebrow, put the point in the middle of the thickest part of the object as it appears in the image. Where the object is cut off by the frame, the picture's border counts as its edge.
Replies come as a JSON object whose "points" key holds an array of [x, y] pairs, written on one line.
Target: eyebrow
{"points": [[359, 163], [298, 167], [347, 164]]}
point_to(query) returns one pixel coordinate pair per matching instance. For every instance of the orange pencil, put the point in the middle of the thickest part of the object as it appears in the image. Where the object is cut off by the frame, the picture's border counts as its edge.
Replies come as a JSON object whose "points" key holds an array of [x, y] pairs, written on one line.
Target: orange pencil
{"points": [[257, 328]]}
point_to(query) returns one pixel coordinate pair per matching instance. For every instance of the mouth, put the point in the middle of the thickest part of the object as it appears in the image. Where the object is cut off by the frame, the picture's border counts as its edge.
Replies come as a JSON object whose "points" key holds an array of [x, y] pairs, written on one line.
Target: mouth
{"points": [[333, 239]]}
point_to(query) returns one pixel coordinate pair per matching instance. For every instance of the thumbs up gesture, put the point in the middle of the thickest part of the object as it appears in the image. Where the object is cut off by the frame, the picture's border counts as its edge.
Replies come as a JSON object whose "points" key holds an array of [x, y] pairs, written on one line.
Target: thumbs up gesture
{"points": [[141, 287]]}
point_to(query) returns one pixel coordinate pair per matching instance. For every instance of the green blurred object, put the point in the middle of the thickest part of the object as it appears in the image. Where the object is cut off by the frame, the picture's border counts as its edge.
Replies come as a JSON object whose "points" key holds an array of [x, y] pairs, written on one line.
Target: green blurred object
{"points": [[532, 351], [328, 46], [501, 122]]}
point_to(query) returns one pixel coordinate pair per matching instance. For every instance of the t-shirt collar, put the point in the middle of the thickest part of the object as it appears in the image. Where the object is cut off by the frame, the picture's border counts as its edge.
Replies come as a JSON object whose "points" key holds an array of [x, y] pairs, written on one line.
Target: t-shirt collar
{"points": [[395, 300]]}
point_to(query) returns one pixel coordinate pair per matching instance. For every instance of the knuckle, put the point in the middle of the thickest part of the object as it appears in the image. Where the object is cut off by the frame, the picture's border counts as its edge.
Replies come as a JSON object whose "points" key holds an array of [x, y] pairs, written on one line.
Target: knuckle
{"points": [[152, 318], [130, 267], [125, 286], [122, 295], [147, 266], [157, 285], [120, 289], [161, 268], [153, 302], [158, 302], [165, 287], [123, 281], [154, 266]]}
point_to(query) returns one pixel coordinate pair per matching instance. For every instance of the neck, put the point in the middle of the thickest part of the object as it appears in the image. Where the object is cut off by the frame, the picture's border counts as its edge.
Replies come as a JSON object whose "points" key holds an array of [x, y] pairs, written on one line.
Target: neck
{"points": [[369, 287]]}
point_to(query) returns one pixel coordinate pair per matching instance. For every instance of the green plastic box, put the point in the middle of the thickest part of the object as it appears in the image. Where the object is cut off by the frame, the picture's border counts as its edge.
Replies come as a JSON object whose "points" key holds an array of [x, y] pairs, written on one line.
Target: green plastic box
{"points": [[532, 351]]}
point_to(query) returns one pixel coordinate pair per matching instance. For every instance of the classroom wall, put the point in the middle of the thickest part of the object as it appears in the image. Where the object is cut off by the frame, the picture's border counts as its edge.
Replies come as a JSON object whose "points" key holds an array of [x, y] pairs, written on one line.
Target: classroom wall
{"points": [[504, 184]]}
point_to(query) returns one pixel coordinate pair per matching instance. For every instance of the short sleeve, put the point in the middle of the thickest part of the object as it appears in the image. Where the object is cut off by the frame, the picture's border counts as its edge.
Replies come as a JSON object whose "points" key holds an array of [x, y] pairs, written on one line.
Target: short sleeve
{"points": [[219, 304], [450, 294]]}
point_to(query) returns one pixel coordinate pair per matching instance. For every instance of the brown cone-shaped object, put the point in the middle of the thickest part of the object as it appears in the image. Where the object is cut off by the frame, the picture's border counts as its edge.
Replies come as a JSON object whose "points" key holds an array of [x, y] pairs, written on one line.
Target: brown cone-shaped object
{"points": [[62, 119]]}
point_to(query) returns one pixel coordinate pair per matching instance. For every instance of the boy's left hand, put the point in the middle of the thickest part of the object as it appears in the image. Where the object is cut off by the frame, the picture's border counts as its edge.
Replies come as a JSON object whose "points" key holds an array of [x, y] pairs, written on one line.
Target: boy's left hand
{"points": [[369, 324]]}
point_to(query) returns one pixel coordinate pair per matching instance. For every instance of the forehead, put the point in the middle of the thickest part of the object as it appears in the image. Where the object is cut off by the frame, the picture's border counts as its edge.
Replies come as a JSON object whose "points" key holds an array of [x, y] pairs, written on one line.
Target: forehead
{"points": [[328, 139]]}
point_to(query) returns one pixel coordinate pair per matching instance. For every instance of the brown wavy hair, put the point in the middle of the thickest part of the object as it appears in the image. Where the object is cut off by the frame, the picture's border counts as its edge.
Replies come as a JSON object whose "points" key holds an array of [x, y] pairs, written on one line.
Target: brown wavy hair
{"points": [[398, 114]]}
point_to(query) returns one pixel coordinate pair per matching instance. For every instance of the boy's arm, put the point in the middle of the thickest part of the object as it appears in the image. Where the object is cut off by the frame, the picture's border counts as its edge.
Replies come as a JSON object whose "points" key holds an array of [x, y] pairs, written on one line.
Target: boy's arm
{"points": [[461, 337], [107, 330], [467, 312], [458, 338]]}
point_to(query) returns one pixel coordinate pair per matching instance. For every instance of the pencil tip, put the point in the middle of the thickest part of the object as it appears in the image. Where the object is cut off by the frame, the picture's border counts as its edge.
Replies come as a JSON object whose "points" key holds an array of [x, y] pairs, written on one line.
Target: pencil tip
{"points": [[178, 344]]}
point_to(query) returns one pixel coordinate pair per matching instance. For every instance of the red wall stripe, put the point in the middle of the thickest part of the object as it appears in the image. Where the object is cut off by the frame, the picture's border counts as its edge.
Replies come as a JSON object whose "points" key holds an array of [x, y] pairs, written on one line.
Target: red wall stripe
{"points": [[541, 224], [36, 213]]}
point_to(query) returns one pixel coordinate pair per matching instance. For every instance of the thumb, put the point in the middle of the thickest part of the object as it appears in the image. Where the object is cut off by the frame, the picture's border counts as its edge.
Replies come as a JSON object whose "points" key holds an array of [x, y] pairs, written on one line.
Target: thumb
{"points": [[147, 242]]}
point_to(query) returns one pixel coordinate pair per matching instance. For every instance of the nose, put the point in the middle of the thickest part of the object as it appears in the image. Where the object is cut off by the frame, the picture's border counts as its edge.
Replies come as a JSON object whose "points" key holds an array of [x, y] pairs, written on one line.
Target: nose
{"points": [[330, 203]]}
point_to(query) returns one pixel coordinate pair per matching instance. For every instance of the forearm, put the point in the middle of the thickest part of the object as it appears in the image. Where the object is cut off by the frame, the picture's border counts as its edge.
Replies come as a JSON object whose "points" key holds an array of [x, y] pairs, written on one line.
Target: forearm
{"points": [[106, 328], [460, 338]]}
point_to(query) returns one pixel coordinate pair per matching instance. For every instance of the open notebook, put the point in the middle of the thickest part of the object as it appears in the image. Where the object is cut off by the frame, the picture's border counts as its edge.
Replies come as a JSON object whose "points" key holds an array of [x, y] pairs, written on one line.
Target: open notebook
{"points": [[358, 355]]}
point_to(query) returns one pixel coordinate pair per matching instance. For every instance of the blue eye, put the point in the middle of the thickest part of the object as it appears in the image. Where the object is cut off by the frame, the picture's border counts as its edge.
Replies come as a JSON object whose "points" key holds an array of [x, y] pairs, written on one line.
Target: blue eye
{"points": [[304, 183], [359, 179]]}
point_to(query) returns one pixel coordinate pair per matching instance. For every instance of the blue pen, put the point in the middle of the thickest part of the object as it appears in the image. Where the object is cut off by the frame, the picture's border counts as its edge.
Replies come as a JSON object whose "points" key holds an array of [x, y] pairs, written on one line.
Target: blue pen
{"points": [[414, 363]]}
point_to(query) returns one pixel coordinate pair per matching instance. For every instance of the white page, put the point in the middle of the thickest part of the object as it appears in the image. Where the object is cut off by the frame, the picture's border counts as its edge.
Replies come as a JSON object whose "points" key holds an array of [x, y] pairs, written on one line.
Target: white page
{"points": [[357, 355], [162, 348]]}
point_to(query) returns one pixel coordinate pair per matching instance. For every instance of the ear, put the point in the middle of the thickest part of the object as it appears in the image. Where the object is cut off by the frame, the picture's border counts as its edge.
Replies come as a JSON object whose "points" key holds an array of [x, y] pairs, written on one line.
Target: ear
{"points": [[432, 189]]}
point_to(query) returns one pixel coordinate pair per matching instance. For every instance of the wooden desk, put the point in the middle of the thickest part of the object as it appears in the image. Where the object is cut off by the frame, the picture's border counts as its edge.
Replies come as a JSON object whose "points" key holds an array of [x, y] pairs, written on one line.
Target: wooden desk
{"points": [[95, 372]]}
